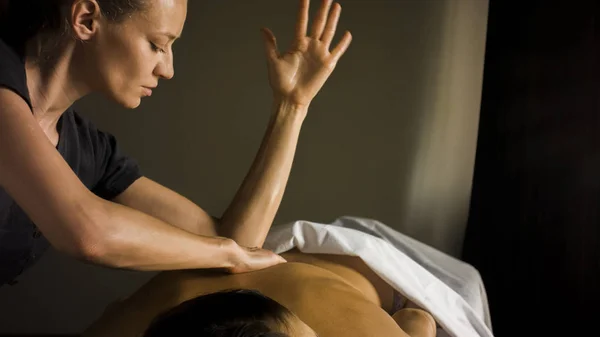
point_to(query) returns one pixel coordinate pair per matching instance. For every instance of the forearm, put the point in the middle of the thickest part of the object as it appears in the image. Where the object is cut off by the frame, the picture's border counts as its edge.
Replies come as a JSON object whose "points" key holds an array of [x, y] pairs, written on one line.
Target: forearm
{"points": [[169, 206], [134, 240], [248, 218]]}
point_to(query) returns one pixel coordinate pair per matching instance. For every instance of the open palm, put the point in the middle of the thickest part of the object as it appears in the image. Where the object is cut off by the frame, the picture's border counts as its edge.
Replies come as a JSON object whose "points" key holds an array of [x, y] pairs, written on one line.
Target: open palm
{"points": [[298, 74]]}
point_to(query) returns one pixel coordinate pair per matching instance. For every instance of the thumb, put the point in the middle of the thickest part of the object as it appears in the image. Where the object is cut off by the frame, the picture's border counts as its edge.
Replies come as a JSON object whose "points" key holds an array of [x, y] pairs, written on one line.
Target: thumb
{"points": [[270, 43]]}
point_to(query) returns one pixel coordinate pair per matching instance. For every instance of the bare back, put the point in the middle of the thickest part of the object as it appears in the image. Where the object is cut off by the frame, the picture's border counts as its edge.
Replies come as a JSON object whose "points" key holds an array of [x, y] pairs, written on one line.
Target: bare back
{"points": [[328, 292]]}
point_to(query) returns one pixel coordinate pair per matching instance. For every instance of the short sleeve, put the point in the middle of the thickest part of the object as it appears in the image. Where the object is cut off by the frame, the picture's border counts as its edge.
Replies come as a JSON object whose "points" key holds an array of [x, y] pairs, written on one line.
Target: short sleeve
{"points": [[115, 171]]}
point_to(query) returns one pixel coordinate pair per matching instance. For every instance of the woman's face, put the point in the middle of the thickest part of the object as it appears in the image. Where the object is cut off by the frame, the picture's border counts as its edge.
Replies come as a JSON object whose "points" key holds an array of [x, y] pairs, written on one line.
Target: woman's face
{"points": [[131, 56]]}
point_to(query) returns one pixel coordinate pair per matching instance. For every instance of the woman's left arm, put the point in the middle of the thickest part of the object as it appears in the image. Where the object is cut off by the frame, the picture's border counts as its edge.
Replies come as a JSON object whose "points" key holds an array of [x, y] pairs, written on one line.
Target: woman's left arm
{"points": [[295, 77], [250, 214], [248, 218]]}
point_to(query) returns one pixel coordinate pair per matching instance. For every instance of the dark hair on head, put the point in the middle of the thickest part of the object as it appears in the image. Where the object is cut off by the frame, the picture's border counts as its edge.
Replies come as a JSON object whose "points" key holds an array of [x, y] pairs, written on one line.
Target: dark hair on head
{"points": [[21, 20], [229, 313]]}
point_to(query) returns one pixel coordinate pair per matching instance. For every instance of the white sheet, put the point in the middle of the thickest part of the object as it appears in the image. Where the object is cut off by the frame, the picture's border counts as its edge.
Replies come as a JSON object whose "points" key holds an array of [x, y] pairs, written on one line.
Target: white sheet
{"points": [[451, 290]]}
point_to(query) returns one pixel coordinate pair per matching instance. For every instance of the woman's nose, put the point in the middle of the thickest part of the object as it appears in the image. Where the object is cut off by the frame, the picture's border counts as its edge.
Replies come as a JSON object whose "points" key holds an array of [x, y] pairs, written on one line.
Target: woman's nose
{"points": [[165, 69]]}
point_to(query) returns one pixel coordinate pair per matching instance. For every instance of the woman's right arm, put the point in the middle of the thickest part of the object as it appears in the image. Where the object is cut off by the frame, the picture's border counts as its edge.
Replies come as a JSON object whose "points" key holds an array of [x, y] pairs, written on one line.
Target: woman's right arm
{"points": [[78, 223]]}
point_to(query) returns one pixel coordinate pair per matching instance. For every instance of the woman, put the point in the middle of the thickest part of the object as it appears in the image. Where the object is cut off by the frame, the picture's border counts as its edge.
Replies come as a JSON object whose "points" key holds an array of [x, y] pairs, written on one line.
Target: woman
{"points": [[311, 295], [65, 183]]}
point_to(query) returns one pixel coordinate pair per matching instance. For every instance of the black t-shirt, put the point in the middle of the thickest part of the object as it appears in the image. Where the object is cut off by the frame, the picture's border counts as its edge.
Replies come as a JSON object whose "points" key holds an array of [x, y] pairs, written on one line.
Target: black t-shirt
{"points": [[92, 154]]}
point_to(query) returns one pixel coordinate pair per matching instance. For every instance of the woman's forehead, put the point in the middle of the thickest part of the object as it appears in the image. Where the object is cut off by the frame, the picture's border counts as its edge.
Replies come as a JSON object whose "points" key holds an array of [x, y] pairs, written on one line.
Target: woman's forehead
{"points": [[166, 15]]}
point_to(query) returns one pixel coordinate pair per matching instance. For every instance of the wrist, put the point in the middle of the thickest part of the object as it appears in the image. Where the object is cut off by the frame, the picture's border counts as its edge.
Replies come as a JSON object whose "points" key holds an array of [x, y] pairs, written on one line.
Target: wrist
{"points": [[232, 253], [285, 108]]}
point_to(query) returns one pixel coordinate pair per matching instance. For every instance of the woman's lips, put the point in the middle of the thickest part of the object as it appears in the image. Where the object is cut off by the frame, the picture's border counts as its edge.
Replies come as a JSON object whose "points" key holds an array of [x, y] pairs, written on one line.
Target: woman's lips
{"points": [[147, 91]]}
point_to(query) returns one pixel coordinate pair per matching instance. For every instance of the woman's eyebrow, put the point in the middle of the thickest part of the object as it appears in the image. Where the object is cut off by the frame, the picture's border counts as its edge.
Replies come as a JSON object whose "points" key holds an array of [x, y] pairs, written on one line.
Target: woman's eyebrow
{"points": [[170, 36]]}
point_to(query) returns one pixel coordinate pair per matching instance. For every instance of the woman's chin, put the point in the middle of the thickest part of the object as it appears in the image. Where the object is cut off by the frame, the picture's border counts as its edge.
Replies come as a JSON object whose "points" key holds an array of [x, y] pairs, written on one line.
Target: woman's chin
{"points": [[130, 102], [124, 100], [134, 103]]}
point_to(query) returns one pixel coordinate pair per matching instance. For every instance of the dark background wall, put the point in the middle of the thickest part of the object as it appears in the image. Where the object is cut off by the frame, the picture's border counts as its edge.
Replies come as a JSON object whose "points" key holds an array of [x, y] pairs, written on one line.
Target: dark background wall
{"points": [[534, 224]]}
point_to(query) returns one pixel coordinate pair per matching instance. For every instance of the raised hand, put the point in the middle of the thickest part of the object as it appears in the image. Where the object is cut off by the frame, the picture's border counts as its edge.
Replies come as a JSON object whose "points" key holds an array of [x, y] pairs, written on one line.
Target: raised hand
{"points": [[297, 75]]}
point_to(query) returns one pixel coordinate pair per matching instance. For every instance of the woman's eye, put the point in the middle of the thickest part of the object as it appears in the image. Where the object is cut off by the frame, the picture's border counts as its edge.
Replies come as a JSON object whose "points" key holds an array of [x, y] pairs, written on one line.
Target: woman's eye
{"points": [[156, 48]]}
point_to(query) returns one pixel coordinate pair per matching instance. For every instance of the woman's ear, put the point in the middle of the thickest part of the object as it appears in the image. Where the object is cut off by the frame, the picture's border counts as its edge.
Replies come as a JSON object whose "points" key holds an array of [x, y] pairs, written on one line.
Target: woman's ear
{"points": [[85, 18]]}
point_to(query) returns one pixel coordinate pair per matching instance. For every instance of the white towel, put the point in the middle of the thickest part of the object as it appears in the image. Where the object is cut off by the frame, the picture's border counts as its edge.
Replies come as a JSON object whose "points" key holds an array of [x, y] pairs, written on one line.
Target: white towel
{"points": [[451, 290]]}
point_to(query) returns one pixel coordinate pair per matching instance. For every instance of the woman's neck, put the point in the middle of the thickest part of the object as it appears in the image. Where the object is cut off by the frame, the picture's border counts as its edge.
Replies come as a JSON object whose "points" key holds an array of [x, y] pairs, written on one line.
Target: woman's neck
{"points": [[53, 86]]}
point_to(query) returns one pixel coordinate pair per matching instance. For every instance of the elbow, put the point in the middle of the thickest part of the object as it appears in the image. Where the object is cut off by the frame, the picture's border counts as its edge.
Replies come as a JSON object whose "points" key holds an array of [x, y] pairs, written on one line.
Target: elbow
{"points": [[106, 250], [92, 249], [89, 238], [101, 245], [86, 246]]}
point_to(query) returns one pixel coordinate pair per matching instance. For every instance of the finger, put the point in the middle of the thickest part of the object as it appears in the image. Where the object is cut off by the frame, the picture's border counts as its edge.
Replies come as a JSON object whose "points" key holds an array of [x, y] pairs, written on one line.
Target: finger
{"points": [[264, 258], [332, 23], [270, 43], [273, 258], [320, 20], [302, 23], [277, 260], [342, 46]]}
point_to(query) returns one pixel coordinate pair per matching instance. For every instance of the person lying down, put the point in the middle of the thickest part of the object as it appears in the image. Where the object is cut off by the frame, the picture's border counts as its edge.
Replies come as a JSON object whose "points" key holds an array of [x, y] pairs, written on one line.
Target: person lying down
{"points": [[352, 277], [311, 295]]}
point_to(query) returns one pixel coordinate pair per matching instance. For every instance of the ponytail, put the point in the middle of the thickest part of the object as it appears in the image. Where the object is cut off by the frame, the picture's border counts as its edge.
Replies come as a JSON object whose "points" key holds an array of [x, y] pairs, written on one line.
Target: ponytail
{"points": [[23, 19]]}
